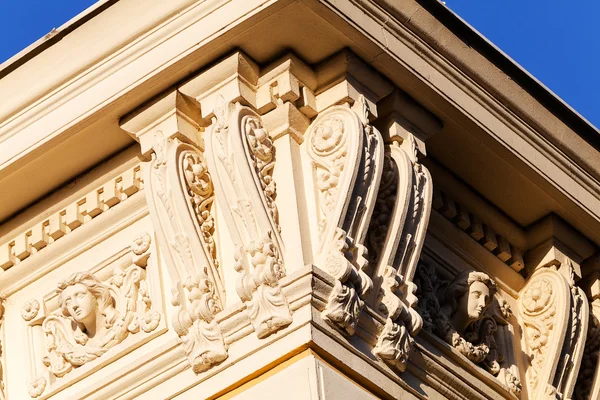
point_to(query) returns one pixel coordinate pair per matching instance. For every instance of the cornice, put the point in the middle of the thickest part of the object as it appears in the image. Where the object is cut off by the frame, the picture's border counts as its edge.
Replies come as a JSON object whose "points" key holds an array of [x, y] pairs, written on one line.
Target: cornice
{"points": [[559, 176], [64, 111], [508, 66]]}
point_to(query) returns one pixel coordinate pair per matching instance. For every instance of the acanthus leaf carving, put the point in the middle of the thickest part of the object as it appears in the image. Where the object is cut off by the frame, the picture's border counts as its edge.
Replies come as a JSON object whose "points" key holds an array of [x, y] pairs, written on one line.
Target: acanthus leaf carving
{"points": [[195, 324], [259, 288], [394, 344], [181, 196], [242, 157]]}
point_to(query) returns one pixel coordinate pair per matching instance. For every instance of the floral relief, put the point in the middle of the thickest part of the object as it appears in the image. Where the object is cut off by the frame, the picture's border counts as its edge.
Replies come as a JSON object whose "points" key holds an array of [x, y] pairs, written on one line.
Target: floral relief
{"points": [[328, 136], [259, 288], [328, 144], [262, 156], [537, 295], [30, 310], [37, 387]]}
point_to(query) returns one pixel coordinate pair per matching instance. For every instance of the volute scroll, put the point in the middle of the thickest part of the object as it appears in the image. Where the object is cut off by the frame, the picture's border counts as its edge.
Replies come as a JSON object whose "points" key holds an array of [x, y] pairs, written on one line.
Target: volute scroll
{"points": [[180, 196], [242, 156], [397, 236], [346, 156]]}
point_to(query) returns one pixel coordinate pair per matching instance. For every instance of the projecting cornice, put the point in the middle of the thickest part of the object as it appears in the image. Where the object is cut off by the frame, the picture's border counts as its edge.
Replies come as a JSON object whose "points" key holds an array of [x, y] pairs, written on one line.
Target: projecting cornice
{"points": [[499, 129], [297, 175]]}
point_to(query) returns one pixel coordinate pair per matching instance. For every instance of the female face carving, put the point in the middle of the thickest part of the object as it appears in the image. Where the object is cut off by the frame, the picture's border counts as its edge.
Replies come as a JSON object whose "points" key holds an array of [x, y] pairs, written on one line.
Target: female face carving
{"points": [[80, 303], [468, 298], [478, 300]]}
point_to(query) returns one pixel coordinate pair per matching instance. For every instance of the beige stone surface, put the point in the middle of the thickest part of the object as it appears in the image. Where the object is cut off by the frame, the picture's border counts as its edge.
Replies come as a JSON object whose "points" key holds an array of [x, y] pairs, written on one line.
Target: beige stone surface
{"points": [[300, 199]]}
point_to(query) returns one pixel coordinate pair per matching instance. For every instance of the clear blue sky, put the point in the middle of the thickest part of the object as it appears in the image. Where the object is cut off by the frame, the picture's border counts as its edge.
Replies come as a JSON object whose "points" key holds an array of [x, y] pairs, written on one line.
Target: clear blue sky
{"points": [[556, 41]]}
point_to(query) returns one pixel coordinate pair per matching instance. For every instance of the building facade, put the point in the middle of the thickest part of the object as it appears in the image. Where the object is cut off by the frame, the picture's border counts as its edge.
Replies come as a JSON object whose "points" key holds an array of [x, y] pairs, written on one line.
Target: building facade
{"points": [[300, 199]]}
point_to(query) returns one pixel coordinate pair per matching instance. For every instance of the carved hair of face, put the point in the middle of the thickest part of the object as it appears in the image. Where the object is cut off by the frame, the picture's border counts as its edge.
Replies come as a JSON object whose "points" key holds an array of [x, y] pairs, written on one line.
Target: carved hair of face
{"points": [[469, 297], [86, 300]]}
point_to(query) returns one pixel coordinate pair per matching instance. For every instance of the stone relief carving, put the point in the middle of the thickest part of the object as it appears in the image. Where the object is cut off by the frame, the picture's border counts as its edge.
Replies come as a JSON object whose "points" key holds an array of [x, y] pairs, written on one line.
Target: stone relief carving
{"points": [[551, 305], [2, 390], [30, 310], [37, 387], [456, 312], [396, 236], [95, 315], [194, 322], [180, 195], [467, 313], [346, 155], [242, 158], [588, 381]]}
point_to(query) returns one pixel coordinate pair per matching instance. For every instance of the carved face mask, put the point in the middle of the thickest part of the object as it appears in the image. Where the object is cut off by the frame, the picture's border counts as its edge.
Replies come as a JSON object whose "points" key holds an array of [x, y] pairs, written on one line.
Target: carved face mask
{"points": [[479, 300], [80, 303]]}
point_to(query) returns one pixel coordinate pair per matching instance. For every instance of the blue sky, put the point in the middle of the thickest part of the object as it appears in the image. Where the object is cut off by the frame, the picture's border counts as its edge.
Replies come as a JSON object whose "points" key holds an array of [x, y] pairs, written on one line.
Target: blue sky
{"points": [[556, 41]]}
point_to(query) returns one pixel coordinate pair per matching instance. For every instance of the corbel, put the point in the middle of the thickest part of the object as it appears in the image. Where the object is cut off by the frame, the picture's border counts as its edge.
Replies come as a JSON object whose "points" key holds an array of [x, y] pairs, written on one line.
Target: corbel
{"points": [[552, 242], [179, 193], [232, 80], [553, 310], [406, 193], [402, 118], [175, 116], [286, 102], [242, 157], [282, 94], [588, 380]]}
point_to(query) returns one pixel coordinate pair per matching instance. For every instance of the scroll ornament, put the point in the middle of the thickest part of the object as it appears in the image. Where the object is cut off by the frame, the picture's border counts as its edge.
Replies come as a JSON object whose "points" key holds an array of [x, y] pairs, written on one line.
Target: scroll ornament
{"points": [[550, 304], [346, 155], [588, 380], [395, 342], [242, 157], [181, 197], [396, 237]]}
